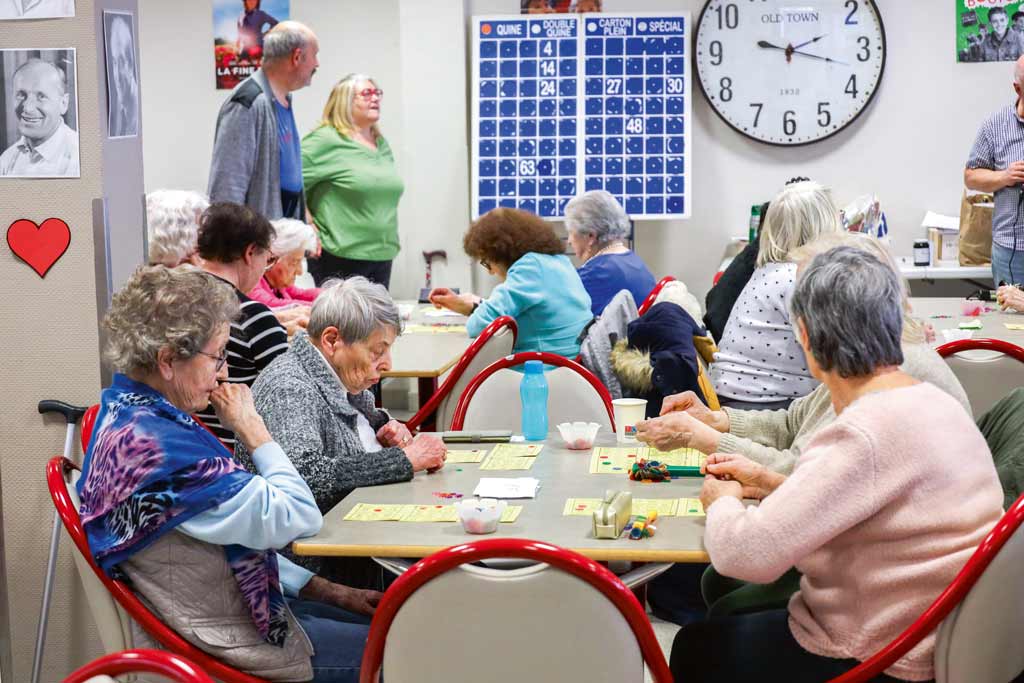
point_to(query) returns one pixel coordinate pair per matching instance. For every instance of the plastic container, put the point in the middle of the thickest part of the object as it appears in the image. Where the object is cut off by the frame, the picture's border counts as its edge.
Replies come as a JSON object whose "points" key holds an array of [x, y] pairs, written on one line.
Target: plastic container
{"points": [[480, 516], [533, 392], [755, 222], [578, 436], [922, 254]]}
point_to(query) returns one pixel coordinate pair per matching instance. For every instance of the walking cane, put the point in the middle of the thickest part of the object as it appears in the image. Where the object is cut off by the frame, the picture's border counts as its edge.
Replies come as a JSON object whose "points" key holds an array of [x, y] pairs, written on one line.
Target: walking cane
{"points": [[72, 414]]}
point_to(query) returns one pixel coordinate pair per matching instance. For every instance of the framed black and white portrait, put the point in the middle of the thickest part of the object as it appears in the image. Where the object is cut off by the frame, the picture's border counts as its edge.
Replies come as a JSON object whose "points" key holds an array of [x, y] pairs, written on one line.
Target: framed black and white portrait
{"points": [[36, 9], [39, 100], [122, 74]]}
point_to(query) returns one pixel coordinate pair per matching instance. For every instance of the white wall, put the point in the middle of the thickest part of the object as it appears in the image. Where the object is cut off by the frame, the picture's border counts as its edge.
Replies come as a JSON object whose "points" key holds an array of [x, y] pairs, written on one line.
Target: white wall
{"points": [[908, 147]]}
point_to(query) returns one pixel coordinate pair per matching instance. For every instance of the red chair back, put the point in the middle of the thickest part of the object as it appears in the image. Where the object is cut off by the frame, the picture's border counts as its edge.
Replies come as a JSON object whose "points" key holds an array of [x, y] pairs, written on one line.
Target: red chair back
{"points": [[985, 377], [56, 471], [1004, 347], [649, 301], [568, 561], [431, 406], [88, 424], [945, 603], [462, 407], [166, 664]]}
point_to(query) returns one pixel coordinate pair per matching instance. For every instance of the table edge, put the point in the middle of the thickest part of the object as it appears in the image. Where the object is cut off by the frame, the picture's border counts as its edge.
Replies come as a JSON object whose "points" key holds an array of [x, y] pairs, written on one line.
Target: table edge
{"points": [[337, 550]]}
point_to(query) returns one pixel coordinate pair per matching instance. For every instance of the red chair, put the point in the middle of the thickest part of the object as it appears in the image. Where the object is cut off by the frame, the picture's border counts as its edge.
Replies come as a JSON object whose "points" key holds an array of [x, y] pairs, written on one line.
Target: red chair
{"points": [[649, 301], [496, 341], [567, 616], [88, 424], [575, 394], [986, 377], [126, 602], [979, 613], [168, 665]]}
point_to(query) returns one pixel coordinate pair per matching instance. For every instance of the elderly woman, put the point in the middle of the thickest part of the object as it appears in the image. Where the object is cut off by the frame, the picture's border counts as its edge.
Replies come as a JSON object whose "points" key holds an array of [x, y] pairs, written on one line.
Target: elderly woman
{"points": [[775, 438], [172, 226], [539, 287], [598, 227], [352, 185], [759, 363], [293, 239], [165, 505], [857, 517], [234, 243], [316, 400]]}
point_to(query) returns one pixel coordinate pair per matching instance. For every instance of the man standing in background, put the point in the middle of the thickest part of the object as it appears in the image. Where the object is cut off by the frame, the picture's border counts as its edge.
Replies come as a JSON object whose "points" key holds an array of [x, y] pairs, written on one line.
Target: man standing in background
{"points": [[257, 160]]}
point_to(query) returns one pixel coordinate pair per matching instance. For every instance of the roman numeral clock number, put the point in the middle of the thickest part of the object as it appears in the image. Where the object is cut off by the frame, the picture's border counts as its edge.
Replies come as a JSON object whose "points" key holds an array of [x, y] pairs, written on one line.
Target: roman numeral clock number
{"points": [[789, 74]]}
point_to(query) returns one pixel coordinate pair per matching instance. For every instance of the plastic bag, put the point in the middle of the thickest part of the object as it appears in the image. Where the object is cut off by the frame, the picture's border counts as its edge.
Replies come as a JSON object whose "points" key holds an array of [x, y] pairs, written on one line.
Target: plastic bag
{"points": [[864, 214]]}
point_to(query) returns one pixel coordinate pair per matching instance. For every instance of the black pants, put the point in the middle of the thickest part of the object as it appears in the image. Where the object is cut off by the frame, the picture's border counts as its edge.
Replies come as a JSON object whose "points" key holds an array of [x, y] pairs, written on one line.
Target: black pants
{"points": [[750, 648], [329, 265]]}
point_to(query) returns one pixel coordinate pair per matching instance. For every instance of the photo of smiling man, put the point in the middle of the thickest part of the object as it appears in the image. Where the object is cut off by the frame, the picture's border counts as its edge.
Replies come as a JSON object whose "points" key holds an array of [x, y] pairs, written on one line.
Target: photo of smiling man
{"points": [[39, 135]]}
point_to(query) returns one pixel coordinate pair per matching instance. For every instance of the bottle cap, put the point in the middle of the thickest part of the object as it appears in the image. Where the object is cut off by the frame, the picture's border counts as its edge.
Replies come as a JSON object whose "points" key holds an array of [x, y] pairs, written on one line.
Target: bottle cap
{"points": [[534, 367]]}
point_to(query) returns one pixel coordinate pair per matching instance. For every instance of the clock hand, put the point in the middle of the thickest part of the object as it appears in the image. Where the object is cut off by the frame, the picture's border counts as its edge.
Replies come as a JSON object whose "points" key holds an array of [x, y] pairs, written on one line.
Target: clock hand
{"points": [[813, 40], [793, 51], [826, 59], [766, 44]]}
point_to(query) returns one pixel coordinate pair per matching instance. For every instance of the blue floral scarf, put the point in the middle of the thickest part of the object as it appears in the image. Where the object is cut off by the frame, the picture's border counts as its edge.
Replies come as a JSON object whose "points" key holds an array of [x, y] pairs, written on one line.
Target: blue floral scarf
{"points": [[150, 467]]}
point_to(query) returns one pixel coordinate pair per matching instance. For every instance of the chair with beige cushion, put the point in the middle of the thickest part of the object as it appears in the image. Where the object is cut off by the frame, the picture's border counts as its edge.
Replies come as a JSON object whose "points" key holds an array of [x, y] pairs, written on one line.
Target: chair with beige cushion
{"points": [[988, 369]]}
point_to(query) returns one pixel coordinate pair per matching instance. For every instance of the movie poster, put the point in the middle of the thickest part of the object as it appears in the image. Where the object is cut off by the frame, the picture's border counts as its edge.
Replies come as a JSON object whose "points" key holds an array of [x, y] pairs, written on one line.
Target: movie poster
{"points": [[238, 30], [559, 6], [989, 30]]}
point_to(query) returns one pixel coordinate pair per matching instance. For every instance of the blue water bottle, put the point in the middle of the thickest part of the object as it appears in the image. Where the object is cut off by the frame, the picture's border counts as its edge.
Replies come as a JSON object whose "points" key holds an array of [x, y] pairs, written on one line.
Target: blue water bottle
{"points": [[533, 392]]}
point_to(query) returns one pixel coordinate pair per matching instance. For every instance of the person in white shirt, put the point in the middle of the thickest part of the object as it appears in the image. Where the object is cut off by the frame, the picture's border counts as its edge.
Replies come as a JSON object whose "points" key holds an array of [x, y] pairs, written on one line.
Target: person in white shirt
{"points": [[47, 146]]}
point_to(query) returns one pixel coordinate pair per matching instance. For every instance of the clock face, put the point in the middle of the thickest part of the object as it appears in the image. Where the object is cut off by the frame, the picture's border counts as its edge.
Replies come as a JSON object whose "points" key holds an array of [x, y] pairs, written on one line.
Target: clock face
{"points": [[789, 73]]}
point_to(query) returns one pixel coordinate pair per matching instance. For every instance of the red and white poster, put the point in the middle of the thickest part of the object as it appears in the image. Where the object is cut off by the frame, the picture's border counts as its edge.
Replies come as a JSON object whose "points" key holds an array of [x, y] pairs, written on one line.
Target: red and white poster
{"points": [[238, 30]]}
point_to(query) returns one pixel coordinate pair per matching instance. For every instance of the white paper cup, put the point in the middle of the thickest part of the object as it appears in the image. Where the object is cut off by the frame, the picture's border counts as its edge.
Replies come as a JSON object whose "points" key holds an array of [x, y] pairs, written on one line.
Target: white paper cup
{"points": [[627, 412]]}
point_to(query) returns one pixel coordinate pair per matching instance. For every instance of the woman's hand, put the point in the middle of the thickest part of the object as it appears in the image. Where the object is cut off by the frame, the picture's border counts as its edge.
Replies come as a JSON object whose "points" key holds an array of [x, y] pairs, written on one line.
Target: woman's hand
{"points": [[677, 430], [442, 297], [1010, 297], [713, 489], [394, 433], [426, 452], [351, 599], [755, 480], [235, 408], [690, 403]]}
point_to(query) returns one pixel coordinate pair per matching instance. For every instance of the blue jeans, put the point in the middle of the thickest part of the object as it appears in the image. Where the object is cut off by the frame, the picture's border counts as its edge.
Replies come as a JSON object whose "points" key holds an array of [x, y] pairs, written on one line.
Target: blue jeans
{"points": [[338, 638], [1002, 260]]}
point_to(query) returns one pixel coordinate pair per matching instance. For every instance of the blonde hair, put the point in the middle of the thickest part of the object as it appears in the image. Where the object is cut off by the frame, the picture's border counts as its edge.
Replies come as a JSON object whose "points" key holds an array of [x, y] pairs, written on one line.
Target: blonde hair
{"points": [[338, 110], [797, 215], [913, 329]]}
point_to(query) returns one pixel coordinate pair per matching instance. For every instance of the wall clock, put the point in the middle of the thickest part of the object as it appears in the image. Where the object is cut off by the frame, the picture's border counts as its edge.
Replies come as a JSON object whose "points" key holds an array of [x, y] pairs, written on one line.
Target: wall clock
{"points": [[789, 73]]}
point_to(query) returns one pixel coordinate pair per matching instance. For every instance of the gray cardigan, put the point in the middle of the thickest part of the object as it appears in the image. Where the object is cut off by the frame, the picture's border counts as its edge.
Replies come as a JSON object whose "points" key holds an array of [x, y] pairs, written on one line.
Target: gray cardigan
{"points": [[246, 166], [314, 420]]}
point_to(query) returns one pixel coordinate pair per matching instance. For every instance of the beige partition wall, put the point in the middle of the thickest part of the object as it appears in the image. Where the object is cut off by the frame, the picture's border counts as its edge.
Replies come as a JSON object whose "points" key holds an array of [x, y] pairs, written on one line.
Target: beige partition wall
{"points": [[51, 345]]}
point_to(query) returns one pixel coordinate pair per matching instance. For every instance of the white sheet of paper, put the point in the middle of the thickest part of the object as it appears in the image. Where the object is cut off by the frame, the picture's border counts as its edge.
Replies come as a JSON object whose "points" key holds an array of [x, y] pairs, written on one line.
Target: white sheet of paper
{"points": [[515, 487], [440, 313]]}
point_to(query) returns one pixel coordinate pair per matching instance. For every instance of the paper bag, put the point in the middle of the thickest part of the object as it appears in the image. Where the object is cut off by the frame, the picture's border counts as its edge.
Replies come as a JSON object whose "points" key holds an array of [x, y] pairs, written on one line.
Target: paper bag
{"points": [[976, 230]]}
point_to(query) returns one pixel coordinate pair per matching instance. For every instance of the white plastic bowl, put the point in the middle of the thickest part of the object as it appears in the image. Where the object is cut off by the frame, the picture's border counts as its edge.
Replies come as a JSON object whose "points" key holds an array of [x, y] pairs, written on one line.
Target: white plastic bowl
{"points": [[579, 435], [480, 516]]}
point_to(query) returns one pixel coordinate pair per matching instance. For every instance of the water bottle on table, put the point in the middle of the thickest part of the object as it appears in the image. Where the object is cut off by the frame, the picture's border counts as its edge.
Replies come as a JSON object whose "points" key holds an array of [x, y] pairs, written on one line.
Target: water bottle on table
{"points": [[533, 392]]}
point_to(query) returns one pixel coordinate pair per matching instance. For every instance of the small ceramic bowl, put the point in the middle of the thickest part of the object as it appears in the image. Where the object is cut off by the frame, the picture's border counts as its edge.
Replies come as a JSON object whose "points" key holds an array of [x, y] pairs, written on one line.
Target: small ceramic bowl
{"points": [[579, 435], [480, 516]]}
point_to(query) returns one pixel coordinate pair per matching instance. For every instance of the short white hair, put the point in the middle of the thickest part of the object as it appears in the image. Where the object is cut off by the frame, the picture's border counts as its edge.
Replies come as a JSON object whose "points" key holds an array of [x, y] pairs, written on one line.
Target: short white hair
{"points": [[597, 213], [172, 224], [356, 307], [797, 215], [291, 235]]}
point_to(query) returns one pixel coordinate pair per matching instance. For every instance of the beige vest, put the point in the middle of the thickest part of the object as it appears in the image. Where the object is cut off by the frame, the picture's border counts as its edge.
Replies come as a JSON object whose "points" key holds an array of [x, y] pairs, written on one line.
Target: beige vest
{"points": [[189, 585]]}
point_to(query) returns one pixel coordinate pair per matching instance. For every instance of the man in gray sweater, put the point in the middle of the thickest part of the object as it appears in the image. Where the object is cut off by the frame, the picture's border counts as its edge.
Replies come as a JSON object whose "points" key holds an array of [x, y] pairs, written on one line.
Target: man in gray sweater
{"points": [[257, 160]]}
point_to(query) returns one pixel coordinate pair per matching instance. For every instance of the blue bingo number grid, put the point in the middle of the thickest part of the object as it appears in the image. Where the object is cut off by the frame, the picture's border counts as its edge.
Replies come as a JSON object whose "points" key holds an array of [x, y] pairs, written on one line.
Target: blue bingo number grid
{"points": [[568, 103]]}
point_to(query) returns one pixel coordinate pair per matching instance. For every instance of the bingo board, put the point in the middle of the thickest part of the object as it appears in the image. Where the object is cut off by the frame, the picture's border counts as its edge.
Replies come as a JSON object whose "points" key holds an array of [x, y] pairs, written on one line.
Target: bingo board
{"points": [[562, 104]]}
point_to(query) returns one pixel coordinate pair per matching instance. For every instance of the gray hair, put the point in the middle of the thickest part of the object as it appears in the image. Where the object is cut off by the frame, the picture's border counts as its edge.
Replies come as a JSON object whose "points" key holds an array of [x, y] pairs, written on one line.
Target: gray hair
{"points": [[797, 215], [850, 304], [178, 308], [356, 307], [291, 235], [913, 329], [597, 213], [172, 224], [284, 39]]}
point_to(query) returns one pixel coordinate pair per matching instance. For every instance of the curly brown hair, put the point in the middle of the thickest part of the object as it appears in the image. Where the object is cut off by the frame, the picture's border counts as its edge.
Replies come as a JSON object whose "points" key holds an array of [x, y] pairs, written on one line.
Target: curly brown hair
{"points": [[502, 236]]}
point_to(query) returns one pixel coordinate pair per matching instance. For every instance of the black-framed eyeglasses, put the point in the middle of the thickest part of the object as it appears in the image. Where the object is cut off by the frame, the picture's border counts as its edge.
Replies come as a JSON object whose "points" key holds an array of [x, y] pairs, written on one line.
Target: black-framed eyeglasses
{"points": [[221, 359], [485, 264]]}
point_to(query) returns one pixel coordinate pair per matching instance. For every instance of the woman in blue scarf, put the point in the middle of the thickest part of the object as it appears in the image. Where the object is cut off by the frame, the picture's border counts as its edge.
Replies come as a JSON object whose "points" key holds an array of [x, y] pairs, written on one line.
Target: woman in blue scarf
{"points": [[166, 508]]}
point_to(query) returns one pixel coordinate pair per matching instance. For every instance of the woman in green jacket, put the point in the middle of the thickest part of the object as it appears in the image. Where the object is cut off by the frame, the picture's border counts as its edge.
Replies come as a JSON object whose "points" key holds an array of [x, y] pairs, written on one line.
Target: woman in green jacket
{"points": [[352, 186]]}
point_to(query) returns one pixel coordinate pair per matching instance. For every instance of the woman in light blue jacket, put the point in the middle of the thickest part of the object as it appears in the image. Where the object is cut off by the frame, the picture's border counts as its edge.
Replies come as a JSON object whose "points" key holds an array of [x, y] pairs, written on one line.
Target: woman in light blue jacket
{"points": [[539, 286]]}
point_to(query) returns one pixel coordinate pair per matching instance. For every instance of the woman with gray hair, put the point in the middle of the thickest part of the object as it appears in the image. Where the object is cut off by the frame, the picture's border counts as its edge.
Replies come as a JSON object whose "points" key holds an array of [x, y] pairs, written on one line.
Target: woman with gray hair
{"points": [[316, 401], [598, 228], [858, 515], [166, 506], [293, 240], [759, 363], [172, 226]]}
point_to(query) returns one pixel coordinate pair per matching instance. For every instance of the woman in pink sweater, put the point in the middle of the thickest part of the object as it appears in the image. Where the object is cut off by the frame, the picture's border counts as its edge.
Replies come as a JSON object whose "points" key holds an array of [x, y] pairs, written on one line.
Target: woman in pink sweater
{"points": [[277, 286], [883, 508]]}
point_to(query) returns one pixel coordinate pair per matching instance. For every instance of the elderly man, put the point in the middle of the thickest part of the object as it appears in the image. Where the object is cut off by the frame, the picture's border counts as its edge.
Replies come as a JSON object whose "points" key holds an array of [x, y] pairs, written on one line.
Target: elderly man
{"points": [[257, 160], [47, 146], [123, 81], [1001, 44], [996, 164]]}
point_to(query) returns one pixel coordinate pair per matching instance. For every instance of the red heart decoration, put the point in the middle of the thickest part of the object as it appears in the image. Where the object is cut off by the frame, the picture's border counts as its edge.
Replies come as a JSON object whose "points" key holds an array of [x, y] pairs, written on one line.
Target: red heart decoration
{"points": [[39, 245]]}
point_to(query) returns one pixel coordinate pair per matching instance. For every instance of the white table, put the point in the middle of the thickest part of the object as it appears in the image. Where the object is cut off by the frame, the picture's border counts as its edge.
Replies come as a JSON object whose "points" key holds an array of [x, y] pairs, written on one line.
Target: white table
{"points": [[427, 356], [944, 313]]}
